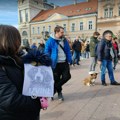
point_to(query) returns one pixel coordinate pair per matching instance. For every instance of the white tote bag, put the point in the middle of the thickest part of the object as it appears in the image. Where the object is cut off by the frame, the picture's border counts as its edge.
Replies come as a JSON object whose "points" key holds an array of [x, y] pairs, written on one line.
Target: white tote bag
{"points": [[38, 81]]}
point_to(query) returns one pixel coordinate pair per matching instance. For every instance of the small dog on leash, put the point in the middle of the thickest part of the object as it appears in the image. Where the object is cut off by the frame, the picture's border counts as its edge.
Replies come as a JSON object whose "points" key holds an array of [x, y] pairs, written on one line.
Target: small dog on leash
{"points": [[91, 79]]}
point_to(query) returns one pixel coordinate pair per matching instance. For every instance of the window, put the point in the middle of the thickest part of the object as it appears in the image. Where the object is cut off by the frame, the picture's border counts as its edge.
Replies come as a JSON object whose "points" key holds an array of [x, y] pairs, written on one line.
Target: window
{"points": [[38, 30], [36, 1], [111, 12], [43, 28], [119, 11], [49, 29], [23, 1], [21, 17], [90, 25], [33, 30], [25, 42], [24, 33], [26, 15], [73, 27], [64, 26], [87, 9], [81, 25], [108, 12], [108, 0]]}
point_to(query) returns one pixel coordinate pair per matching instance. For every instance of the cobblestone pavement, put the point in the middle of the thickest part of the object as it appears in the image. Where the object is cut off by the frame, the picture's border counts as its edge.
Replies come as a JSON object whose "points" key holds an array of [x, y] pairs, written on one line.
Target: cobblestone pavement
{"points": [[86, 103]]}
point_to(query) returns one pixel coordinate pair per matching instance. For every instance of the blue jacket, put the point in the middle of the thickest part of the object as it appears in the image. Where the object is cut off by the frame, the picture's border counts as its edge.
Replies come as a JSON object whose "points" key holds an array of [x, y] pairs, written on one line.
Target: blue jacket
{"points": [[51, 48], [104, 50]]}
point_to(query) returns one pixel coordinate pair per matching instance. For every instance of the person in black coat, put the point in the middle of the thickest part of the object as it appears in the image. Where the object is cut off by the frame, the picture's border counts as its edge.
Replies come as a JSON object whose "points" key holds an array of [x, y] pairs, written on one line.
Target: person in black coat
{"points": [[77, 51], [105, 55], [14, 105]]}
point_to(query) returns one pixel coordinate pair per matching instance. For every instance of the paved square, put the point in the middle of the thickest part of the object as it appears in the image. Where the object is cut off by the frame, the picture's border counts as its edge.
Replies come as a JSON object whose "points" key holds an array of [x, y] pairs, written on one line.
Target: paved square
{"points": [[86, 103]]}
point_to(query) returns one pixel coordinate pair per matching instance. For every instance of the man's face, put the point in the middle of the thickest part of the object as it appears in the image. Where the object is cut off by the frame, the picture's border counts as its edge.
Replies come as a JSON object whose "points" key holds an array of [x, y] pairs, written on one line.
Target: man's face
{"points": [[108, 37], [60, 34], [96, 36]]}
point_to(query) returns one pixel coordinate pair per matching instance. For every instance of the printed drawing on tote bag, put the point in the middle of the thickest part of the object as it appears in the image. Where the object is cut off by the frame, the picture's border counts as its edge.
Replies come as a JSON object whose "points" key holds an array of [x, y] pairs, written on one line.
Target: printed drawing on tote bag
{"points": [[38, 81]]}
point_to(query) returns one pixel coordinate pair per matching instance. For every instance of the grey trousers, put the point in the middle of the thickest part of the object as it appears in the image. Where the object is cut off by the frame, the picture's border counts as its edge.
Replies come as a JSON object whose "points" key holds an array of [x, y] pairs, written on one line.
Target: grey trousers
{"points": [[93, 63]]}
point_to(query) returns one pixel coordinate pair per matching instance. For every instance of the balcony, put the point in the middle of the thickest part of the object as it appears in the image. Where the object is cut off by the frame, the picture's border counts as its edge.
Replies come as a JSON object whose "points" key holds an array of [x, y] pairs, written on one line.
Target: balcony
{"points": [[110, 19]]}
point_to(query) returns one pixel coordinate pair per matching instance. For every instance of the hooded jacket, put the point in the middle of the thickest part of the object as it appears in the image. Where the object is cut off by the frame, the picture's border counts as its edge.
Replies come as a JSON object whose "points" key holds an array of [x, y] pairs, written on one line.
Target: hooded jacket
{"points": [[93, 42], [51, 48]]}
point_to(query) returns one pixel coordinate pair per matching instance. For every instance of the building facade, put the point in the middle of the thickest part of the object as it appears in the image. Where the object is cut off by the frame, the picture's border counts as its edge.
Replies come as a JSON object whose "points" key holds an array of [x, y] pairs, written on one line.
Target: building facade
{"points": [[35, 20], [27, 10], [109, 16]]}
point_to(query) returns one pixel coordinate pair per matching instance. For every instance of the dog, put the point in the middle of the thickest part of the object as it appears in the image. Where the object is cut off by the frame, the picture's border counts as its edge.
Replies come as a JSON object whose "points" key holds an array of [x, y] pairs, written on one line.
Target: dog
{"points": [[91, 79]]}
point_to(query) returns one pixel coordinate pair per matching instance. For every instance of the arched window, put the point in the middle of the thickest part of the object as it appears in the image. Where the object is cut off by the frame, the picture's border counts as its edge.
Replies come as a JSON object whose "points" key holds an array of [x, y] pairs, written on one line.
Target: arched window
{"points": [[24, 33], [25, 42]]}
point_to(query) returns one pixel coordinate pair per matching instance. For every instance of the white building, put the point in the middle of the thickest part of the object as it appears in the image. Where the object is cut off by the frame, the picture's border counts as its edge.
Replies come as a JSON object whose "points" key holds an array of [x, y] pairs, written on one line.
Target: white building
{"points": [[27, 10]]}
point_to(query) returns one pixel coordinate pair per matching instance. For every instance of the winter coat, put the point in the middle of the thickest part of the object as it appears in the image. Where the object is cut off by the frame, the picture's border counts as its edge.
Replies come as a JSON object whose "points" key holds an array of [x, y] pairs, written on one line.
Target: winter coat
{"points": [[14, 105], [51, 48], [93, 43], [87, 47], [77, 46], [103, 49]]}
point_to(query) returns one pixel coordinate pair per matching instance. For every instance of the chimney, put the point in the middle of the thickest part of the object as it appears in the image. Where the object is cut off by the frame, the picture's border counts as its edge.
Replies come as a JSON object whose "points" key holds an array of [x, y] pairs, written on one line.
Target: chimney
{"points": [[75, 2]]}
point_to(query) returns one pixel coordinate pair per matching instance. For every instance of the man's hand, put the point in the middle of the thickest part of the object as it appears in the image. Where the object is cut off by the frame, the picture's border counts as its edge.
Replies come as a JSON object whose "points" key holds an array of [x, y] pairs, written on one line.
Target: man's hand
{"points": [[99, 62]]}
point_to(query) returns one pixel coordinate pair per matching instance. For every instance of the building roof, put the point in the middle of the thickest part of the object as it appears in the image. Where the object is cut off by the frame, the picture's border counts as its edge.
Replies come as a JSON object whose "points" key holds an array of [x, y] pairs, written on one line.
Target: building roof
{"points": [[69, 11]]}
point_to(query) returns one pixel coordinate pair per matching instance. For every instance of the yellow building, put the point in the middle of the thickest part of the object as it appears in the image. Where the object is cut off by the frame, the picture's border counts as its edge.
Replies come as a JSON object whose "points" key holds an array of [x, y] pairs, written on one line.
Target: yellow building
{"points": [[77, 19], [109, 16]]}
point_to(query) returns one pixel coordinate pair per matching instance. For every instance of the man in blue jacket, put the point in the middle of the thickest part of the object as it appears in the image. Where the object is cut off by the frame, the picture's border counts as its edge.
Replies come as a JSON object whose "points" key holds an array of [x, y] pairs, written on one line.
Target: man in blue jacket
{"points": [[105, 56], [59, 50]]}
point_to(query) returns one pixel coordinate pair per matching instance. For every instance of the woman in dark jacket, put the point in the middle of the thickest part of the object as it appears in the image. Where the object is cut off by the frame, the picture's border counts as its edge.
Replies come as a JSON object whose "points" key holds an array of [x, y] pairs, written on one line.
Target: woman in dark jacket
{"points": [[14, 105]]}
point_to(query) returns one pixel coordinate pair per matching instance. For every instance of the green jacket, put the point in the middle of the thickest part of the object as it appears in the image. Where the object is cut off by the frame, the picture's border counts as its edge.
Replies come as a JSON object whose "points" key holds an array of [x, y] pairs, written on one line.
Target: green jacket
{"points": [[93, 43]]}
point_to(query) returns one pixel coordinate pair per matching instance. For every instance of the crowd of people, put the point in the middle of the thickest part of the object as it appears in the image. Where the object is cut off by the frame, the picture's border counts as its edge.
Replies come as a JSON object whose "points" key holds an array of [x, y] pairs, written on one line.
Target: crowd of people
{"points": [[59, 53]]}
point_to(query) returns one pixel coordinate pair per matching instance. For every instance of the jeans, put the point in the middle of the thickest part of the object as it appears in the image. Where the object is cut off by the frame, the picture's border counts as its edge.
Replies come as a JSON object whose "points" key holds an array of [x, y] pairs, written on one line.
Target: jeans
{"points": [[83, 54], [107, 64], [76, 57], [87, 54]]}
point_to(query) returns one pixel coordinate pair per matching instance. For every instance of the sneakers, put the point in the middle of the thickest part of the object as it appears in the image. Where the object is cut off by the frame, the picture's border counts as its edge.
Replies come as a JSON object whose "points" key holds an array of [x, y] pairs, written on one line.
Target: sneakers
{"points": [[115, 83], [60, 96], [104, 84]]}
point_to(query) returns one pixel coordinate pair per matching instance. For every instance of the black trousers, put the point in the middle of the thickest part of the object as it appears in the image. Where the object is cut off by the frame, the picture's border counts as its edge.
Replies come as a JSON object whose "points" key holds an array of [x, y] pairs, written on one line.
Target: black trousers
{"points": [[61, 75]]}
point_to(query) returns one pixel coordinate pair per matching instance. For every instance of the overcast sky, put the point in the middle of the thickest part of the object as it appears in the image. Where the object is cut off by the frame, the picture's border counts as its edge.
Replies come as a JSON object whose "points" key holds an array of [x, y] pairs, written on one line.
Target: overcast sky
{"points": [[9, 10]]}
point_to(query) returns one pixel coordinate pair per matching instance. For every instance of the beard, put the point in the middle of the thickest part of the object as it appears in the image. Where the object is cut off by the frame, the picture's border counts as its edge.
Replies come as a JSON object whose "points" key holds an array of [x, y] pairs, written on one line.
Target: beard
{"points": [[61, 37]]}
